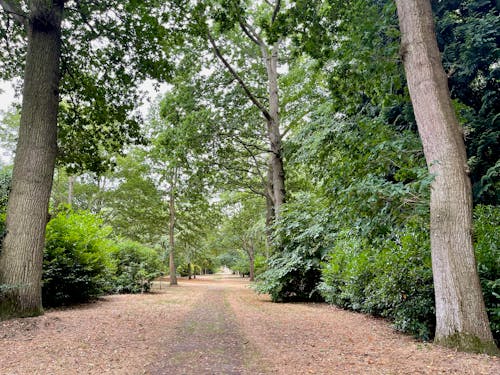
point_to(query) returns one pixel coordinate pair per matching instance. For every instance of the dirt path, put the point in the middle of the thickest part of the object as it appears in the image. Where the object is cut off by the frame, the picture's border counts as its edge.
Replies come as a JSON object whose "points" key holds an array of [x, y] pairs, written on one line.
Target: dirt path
{"points": [[217, 325], [208, 341]]}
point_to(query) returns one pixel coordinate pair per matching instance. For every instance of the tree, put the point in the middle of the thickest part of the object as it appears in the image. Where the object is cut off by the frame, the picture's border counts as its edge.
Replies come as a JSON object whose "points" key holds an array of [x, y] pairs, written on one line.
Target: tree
{"points": [[257, 28], [179, 156], [94, 33], [22, 253], [243, 229], [460, 312]]}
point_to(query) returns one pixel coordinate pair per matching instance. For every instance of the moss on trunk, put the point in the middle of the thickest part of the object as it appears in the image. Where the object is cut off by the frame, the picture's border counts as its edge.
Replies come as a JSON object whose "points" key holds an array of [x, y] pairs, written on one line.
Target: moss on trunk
{"points": [[468, 343]]}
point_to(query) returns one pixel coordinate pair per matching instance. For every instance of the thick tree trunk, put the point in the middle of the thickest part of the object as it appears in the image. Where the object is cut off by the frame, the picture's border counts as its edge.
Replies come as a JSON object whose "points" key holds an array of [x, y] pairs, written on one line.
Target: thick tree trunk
{"points": [[461, 317], [22, 255], [273, 128]]}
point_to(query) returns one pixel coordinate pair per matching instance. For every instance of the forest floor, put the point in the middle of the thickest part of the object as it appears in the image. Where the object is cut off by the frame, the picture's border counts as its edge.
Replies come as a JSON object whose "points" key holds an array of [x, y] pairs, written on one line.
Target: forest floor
{"points": [[217, 325]]}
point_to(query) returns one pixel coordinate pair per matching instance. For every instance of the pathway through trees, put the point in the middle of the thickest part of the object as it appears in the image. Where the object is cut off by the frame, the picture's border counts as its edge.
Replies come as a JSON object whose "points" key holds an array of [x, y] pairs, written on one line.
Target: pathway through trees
{"points": [[217, 325]]}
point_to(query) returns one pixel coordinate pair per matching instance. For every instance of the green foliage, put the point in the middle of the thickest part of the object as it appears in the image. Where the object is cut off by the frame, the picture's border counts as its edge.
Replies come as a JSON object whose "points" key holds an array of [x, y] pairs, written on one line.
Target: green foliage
{"points": [[391, 278], [110, 49], [77, 266], [468, 37], [487, 246], [293, 273], [136, 267], [260, 264], [241, 266]]}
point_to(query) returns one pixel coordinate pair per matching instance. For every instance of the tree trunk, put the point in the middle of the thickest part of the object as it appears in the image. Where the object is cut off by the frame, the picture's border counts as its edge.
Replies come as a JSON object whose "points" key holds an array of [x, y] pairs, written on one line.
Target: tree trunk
{"points": [[252, 266], [269, 208], [71, 183], [189, 271], [273, 128], [461, 317], [171, 228], [27, 211]]}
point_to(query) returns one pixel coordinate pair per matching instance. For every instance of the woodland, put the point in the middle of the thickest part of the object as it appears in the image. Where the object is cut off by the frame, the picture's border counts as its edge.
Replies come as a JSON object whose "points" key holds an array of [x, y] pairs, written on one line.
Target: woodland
{"points": [[332, 151]]}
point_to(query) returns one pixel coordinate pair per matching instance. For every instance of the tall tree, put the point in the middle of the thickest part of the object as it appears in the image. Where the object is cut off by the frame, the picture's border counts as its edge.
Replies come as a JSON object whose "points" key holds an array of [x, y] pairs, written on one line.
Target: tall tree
{"points": [[22, 253], [254, 27], [180, 156], [94, 33], [460, 312]]}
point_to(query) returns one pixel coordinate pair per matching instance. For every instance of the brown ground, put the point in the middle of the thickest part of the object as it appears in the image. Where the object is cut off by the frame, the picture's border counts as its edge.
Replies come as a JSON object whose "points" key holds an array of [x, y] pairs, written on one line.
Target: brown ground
{"points": [[216, 325]]}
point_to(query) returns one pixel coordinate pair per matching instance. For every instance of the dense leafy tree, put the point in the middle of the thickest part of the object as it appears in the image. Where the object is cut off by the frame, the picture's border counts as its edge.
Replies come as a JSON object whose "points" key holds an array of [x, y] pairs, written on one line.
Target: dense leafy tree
{"points": [[86, 61]]}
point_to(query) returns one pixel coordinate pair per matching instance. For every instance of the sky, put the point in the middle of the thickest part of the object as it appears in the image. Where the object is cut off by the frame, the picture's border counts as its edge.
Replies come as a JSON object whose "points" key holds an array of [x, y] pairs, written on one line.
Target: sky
{"points": [[6, 95]]}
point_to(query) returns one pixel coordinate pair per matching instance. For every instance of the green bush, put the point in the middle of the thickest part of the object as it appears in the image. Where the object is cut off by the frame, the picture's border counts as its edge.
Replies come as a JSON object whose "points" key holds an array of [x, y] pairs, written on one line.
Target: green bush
{"points": [[77, 266], [487, 246], [136, 267], [393, 277], [390, 278], [293, 272]]}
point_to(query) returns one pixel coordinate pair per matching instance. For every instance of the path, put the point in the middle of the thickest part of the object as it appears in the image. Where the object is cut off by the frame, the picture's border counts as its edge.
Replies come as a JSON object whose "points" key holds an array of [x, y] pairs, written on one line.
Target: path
{"points": [[216, 326], [209, 340]]}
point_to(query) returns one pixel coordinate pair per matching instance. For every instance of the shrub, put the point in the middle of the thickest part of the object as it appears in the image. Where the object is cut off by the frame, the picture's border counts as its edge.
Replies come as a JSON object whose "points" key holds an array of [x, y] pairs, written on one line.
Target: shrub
{"points": [[389, 277], [136, 267], [301, 239], [76, 266], [260, 264], [487, 246]]}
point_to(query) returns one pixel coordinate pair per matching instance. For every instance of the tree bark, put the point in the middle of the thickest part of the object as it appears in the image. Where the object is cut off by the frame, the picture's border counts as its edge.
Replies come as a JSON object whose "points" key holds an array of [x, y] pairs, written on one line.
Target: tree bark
{"points": [[27, 211], [273, 127], [171, 229], [461, 317]]}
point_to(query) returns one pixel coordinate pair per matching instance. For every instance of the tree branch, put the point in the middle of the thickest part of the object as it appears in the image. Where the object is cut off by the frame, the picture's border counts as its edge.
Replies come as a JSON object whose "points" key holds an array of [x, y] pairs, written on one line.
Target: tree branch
{"points": [[15, 11], [245, 88], [256, 164], [277, 7], [251, 33]]}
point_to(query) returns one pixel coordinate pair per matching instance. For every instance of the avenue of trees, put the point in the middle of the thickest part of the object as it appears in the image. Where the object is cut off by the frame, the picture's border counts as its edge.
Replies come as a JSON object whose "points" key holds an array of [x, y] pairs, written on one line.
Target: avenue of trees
{"points": [[334, 151]]}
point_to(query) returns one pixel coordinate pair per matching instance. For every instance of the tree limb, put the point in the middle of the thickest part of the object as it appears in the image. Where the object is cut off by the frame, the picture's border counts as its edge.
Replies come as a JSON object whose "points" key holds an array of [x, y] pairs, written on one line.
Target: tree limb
{"points": [[245, 88], [12, 8], [251, 33], [277, 7]]}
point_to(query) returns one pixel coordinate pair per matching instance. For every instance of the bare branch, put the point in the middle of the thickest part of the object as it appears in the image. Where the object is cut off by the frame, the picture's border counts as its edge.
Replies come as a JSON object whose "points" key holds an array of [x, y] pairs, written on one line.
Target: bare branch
{"points": [[12, 8], [240, 81]]}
